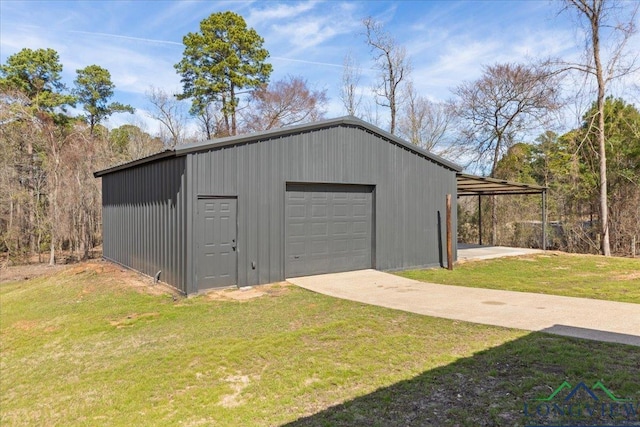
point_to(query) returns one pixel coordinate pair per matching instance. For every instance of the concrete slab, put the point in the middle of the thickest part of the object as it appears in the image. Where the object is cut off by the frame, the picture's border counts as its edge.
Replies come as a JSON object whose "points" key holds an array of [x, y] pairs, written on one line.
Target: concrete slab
{"points": [[577, 317], [467, 252]]}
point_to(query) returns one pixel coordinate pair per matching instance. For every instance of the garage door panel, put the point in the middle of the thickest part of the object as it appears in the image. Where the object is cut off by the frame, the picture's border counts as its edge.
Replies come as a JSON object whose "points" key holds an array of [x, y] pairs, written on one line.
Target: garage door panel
{"points": [[360, 210], [319, 229], [340, 211], [359, 244], [361, 227], [297, 211], [339, 228], [340, 246], [319, 211], [328, 228], [296, 230]]}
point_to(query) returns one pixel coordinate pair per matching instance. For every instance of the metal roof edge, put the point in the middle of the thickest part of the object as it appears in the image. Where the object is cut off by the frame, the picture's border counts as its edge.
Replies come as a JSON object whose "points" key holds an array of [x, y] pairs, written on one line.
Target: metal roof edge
{"points": [[161, 155], [344, 120], [274, 133], [444, 162]]}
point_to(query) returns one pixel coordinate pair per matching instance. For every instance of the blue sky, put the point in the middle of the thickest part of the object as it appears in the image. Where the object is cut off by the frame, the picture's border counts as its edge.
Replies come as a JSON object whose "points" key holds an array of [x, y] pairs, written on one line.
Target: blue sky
{"points": [[447, 42]]}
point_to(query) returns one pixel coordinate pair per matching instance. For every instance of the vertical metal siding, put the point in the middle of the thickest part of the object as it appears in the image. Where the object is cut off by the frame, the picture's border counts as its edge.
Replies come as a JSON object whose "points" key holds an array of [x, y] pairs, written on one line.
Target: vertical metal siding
{"points": [[149, 210], [143, 213], [410, 190]]}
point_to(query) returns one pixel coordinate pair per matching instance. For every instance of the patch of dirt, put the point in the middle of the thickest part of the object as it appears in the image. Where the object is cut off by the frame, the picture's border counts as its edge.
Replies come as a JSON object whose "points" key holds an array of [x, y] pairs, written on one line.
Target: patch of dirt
{"points": [[249, 292], [28, 271], [238, 383], [116, 276], [25, 325], [629, 276], [122, 278], [129, 320]]}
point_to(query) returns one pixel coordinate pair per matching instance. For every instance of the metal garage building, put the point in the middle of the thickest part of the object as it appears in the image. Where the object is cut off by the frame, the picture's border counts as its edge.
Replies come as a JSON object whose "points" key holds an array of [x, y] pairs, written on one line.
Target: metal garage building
{"points": [[329, 196]]}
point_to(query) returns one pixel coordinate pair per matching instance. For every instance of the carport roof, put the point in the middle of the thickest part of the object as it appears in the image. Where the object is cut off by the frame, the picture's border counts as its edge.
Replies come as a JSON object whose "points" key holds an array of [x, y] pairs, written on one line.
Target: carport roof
{"points": [[472, 185]]}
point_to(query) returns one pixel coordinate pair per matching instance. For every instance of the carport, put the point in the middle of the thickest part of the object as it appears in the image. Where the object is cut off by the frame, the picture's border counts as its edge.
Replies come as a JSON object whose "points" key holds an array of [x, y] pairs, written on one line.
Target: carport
{"points": [[472, 185]]}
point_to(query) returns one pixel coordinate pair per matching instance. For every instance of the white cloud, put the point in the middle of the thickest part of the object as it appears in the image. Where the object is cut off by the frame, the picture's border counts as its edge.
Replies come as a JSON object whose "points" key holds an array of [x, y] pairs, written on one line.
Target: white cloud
{"points": [[275, 11]]}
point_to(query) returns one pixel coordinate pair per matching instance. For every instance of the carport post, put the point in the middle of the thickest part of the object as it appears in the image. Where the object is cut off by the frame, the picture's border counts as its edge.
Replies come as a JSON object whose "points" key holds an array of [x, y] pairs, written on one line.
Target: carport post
{"points": [[449, 235], [479, 219], [544, 220]]}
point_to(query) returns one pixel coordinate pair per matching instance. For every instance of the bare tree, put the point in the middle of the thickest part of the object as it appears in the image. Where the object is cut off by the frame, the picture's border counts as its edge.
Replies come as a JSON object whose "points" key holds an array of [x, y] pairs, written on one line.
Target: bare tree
{"points": [[211, 122], [425, 123], [392, 63], [284, 103], [170, 113], [604, 18], [349, 95], [504, 104]]}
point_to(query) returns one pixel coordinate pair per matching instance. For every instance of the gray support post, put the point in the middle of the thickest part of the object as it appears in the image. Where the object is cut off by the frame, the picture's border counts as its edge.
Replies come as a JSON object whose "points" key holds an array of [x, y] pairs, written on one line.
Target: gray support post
{"points": [[544, 220], [479, 219], [449, 235]]}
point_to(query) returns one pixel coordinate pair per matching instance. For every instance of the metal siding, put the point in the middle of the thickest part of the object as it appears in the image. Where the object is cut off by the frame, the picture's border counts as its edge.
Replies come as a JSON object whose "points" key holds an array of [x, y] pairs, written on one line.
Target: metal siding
{"points": [[142, 215], [410, 190], [149, 209]]}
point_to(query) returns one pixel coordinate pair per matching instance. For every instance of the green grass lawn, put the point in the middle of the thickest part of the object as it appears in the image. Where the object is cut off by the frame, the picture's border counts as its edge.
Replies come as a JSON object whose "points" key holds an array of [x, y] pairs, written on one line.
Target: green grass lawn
{"points": [[586, 276], [86, 347]]}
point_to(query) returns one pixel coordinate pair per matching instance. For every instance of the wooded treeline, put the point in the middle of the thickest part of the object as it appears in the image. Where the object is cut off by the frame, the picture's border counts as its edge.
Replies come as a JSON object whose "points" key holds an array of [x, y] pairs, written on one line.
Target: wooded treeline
{"points": [[568, 165], [49, 200]]}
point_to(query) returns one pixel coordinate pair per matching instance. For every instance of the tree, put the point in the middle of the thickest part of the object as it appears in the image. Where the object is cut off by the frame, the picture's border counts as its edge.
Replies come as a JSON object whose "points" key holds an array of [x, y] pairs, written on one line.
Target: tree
{"points": [[169, 112], [284, 103], [36, 74], [349, 89], [93, 90], [505, 103], [601, 18], [210, 122], [508, 101], [393, 65], [133, 143], [425, 123], [31, 83], [622, 151], [220, 61]]}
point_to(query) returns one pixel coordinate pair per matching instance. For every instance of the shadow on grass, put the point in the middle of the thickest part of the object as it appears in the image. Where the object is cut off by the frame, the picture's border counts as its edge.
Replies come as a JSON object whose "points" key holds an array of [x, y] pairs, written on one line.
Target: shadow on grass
{"points": [[499, 387]]}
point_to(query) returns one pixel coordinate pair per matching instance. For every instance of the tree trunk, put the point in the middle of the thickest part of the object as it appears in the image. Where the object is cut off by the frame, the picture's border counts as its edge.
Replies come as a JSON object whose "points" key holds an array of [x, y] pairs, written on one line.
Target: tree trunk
{"points": [[605, 247], [392, 96], [233, 111], [32, 205], [54, 214]]}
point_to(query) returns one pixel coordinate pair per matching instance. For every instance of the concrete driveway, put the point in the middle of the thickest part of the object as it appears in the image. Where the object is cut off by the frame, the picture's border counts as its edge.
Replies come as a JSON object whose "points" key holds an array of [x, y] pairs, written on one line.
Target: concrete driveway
{"points": [[576, 317], [468, 251]]}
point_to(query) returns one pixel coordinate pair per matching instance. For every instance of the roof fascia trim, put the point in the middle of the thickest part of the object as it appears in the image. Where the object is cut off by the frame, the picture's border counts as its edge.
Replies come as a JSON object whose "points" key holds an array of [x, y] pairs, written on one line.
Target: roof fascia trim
{"points": [[152, 158], [275, 133], [307, 127]]}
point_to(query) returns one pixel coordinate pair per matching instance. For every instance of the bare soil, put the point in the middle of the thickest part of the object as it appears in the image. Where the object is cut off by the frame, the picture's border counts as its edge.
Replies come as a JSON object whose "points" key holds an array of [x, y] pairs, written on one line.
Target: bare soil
{"points": [[28, 271], [125, 278]]}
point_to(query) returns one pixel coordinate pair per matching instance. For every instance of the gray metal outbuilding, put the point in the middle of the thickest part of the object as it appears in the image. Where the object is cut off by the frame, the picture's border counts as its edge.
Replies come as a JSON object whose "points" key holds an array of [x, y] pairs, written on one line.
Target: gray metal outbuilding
{"points": [[323, 197]]}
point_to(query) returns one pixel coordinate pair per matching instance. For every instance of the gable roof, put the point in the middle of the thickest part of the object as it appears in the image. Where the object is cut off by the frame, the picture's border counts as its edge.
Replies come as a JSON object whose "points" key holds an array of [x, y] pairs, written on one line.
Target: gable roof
{"points": [[183, 150]]}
